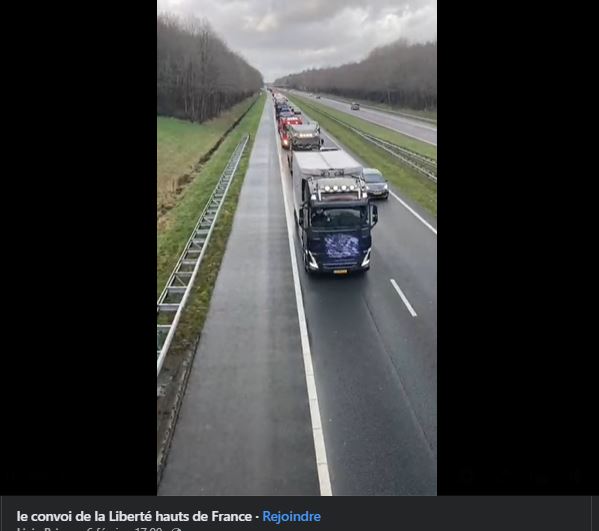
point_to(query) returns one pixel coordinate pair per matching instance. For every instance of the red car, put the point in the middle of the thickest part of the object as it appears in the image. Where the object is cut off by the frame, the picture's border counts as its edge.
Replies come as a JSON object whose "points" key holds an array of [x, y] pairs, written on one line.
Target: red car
{"points": [[285, 121]]}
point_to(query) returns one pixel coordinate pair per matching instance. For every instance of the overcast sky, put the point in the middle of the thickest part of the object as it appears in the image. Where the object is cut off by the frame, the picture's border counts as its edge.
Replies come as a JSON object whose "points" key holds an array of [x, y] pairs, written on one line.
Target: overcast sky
{"points": [[281, 37]]}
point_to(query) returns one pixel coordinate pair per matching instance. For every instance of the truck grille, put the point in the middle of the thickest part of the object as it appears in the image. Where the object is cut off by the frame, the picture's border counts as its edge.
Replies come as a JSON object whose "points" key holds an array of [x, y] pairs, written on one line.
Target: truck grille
{"points": [[340, 264]]}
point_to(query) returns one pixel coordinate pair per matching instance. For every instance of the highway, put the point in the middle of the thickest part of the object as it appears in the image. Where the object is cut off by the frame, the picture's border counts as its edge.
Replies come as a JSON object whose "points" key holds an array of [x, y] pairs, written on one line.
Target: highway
{"points": [[411, 127], [309, 385]]}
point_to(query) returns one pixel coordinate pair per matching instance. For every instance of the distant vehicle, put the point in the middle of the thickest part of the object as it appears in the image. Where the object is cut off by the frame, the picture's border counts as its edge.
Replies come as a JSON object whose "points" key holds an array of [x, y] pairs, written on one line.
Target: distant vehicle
{"points": [[332, 211], [376, 184], [355, 106], [317, 96]]}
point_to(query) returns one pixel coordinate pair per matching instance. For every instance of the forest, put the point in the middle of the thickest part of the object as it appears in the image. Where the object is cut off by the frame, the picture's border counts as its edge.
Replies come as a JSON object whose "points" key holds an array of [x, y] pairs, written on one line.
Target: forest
{"points": [[198, 76], [399, 74]]}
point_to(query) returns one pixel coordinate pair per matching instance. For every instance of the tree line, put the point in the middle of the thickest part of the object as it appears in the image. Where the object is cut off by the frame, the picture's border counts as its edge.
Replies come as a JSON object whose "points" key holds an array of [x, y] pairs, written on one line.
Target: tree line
{"points": [[399, 74], [198, 76]]}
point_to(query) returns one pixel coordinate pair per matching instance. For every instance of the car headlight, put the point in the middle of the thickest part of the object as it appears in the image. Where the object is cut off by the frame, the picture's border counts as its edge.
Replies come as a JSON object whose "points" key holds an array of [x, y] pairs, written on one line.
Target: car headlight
{"points": [[386, 187]]}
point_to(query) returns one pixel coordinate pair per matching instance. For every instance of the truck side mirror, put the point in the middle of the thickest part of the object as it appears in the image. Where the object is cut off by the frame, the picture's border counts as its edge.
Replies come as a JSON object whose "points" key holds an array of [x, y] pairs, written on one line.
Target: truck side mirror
{"points": [[321, 141], [375, 215]]}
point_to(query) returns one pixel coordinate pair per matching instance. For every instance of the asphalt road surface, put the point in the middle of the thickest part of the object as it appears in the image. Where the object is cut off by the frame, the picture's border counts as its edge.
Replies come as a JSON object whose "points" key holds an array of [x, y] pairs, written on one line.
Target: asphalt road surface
{"points": [[246, 424]]}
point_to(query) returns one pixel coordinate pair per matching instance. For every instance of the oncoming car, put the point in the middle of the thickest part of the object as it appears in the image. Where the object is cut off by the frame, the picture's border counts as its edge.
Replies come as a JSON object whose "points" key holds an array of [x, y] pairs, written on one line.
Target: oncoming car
{"points": [[376, 184]]}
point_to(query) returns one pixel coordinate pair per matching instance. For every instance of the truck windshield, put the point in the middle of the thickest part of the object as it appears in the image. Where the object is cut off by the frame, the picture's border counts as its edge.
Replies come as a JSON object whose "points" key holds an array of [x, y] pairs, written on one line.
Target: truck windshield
{"points": [[339, 218]]}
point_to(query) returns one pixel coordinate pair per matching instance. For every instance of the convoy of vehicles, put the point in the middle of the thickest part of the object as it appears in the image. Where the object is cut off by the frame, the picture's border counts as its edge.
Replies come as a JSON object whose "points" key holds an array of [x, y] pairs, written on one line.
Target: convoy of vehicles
{"points": [[331, 197], [332, 211]]}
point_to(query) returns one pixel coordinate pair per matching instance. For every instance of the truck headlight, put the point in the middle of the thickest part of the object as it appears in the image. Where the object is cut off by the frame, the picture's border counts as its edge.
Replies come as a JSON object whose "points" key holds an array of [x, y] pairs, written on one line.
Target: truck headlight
{"points": [[366, 260]]}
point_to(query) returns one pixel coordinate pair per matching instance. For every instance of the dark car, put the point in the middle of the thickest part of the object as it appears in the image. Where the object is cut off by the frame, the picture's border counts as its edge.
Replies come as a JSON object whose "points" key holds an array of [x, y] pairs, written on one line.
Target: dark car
{"points": [[376, 184], [355, 106]]}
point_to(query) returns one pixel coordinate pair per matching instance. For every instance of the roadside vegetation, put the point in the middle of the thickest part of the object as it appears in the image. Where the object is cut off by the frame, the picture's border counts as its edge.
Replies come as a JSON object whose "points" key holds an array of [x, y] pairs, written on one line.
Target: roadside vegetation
{"points": [[198, 76], [183, 147]]}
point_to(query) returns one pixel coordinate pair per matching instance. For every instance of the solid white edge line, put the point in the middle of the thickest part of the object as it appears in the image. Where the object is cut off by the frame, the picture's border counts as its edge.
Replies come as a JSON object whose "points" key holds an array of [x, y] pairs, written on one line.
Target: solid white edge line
{"points": [[413, 211], [403, 298], [319, 446]]}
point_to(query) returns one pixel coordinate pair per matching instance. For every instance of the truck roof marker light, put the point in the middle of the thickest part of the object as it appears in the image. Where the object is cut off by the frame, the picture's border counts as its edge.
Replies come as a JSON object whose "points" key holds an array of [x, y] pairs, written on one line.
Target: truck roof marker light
{"points": [[335, 188], [351, 186], [313, 197], [327, 188], [344, 188]]}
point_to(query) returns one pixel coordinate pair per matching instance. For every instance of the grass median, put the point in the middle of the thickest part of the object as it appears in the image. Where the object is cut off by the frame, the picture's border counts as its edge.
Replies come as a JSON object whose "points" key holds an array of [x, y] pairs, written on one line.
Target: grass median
{"points": [[412, 184], [368, 127]]}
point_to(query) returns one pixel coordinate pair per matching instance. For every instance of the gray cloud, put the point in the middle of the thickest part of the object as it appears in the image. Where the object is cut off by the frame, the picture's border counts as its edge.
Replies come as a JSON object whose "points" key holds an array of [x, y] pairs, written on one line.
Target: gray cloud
{"points": [[281, 37]]}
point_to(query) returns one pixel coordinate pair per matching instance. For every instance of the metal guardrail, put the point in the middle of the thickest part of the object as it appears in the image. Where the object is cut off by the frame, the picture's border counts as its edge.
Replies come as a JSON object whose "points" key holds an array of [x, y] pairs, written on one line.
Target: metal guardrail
{"points": [[421, 163], [178, 287]]}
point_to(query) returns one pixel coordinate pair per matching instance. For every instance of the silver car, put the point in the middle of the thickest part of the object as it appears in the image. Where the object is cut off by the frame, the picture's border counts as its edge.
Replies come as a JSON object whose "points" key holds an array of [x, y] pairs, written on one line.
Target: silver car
{"points": [[376, 184]]}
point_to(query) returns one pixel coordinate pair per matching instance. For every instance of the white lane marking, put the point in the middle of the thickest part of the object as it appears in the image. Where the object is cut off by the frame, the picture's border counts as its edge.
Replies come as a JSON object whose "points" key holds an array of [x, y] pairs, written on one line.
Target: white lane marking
{"points": [[404, 298], [319, 446], [413, 211]]}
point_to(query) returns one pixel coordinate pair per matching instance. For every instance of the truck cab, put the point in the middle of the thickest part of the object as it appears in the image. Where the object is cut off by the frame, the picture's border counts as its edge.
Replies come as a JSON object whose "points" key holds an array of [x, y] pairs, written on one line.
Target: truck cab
{"points": [[333, 213], [303, 137]]}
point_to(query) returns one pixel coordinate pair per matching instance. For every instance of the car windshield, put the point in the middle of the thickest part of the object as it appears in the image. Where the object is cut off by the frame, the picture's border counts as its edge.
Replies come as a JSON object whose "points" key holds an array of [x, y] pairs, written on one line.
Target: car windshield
{"points": [[373, 178], [339, 218]]}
